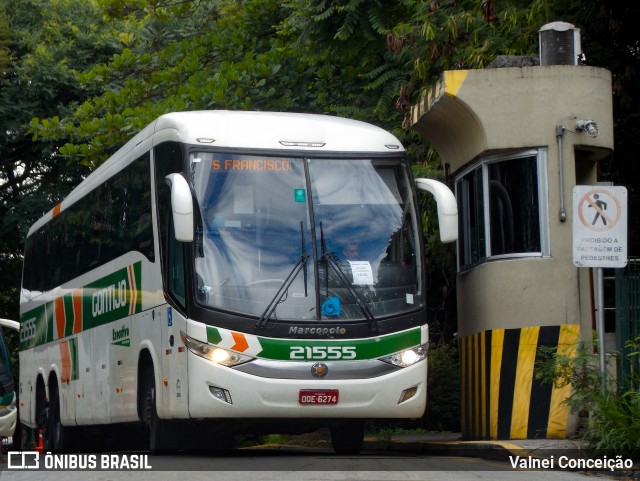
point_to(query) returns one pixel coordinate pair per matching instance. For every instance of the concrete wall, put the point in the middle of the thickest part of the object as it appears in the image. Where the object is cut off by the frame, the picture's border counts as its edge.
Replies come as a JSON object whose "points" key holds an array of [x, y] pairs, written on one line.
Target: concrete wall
{"points": [[473, 113]]}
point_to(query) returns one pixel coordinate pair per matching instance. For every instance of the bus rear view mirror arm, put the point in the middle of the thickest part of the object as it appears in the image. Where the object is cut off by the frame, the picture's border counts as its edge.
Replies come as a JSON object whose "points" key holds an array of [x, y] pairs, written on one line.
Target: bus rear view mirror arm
{"points": [[447, 208], [181, 207], [15, 325]]}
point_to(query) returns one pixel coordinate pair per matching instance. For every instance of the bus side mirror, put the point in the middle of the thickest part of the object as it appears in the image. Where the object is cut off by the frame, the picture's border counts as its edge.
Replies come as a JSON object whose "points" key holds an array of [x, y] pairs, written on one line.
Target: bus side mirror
{"points": [[15, 325], [181, 207], [447, 208]]}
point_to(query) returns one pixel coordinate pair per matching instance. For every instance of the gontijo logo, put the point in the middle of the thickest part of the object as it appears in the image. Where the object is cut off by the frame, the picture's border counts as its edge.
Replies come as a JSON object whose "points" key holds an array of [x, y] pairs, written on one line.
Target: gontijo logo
{"points": [[113, 297], [109, 298]]}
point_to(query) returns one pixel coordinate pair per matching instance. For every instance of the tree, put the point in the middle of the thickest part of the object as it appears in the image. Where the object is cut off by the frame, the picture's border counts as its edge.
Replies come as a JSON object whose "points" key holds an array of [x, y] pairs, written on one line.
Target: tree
{"points": [[369, 59], [610, 40], [50, 41], [237, 62], [5, 38]]}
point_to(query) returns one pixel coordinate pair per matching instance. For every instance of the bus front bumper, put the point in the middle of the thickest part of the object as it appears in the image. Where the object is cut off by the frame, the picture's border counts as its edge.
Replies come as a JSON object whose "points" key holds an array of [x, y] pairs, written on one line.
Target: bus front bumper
{"points": [[217, 391]]}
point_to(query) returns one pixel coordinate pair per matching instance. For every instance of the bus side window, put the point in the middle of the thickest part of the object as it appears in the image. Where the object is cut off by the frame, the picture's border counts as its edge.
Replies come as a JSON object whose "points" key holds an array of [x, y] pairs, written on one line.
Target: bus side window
{"points": [[175, 268]]}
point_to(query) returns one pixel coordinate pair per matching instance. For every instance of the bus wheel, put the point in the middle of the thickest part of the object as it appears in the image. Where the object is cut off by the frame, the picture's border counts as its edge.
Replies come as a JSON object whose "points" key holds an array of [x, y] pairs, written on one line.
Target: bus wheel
{"points": [[158, 433], [57, 438], [28, 438], [347, 437]]}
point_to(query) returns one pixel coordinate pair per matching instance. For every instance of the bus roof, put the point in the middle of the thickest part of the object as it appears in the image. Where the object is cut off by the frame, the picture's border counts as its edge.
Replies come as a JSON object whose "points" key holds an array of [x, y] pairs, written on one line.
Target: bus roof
{"points": [[276, 131]]}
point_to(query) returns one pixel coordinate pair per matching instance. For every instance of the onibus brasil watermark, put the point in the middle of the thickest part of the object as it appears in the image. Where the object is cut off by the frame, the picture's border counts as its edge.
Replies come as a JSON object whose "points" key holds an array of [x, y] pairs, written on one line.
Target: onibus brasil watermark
{"points": [[77, 462]]}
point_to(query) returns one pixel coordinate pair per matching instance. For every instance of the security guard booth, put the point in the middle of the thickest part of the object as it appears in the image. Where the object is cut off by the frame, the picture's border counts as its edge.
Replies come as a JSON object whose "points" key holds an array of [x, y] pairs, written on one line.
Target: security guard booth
{"points": [[514, 142]]}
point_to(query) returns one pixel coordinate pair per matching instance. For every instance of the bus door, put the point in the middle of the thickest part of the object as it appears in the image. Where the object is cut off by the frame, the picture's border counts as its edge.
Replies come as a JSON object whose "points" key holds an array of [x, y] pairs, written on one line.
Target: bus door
{"points": [[86, 384], [100, 354]]}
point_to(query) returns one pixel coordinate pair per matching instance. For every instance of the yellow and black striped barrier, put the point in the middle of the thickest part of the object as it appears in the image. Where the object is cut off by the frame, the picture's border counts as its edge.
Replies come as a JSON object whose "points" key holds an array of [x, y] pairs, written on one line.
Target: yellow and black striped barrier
{"points": [[501, 399]]}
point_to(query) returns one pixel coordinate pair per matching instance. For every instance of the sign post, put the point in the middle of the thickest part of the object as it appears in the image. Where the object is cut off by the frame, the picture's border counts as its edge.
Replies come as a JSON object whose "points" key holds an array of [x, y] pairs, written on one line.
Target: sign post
{"points": [[600, 240]]}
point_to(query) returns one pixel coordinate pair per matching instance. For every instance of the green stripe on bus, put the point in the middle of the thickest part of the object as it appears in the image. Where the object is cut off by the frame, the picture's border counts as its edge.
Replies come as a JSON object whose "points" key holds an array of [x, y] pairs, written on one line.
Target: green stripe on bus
{"points": [[68, 315], [34, 328], [213, 335], [47, 309], [75, 365], [7, 399], [108, 299], [320, 349], [137, 273], [103, 301]]}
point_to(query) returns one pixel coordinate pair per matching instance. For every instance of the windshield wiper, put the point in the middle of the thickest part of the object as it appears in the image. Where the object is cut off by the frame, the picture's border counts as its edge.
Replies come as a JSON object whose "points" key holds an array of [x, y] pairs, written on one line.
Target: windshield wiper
{"points": [[277, 298], [330, 260]]}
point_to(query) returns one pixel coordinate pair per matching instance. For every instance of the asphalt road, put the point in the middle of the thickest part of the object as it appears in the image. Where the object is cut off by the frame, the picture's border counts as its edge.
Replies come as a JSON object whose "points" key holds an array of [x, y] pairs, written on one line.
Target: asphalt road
{"points": [[291, 463]]}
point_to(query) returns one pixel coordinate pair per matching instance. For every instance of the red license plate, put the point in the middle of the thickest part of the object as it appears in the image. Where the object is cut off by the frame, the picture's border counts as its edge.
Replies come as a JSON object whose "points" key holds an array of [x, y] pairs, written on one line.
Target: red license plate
{"points": [[318, 396]]}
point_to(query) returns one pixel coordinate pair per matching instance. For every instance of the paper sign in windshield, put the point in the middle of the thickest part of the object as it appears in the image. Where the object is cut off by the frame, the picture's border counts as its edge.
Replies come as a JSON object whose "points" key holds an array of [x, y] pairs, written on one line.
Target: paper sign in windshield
{"points": [[362, 273]]}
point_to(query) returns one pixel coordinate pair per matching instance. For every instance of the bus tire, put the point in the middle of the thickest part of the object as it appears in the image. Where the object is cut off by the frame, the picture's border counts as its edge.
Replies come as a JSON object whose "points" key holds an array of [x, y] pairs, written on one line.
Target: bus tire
{"points": [[28, 438], [57, 438], [347, 437], [159, 436]]}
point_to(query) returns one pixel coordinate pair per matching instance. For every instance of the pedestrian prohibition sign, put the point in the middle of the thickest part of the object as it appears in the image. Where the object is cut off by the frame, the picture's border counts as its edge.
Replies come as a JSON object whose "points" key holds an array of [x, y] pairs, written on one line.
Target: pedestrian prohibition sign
{"points": [[599, 226]]}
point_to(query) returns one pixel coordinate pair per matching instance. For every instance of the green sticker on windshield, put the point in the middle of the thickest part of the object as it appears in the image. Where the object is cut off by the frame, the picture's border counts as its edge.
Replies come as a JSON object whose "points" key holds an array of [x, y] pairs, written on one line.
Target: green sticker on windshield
{"points": [[300, 195]]}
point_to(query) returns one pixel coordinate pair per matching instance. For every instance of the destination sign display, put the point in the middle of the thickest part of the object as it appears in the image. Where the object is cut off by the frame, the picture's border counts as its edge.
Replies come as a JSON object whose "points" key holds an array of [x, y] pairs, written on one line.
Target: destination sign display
{"points": [[251, 165]]}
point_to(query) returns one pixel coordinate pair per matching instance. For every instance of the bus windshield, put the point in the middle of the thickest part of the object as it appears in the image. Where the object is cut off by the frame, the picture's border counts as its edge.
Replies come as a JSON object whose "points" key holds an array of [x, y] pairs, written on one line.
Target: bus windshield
{"points": [[319, 238]]}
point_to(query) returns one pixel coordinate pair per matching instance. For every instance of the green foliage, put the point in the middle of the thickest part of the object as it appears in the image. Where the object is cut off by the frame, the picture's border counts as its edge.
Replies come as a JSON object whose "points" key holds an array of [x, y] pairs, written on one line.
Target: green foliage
{"points": [[367, 59], [87, 74], [50, 41], [5, 38], [469, 34], [610, 40], [614, 421], [443, 389], [237, 62], [349, 38]]}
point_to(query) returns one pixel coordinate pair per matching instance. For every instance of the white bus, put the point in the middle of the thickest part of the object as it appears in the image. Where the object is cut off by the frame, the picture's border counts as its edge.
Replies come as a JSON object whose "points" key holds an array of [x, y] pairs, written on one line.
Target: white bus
{"points": [[226, 272]]}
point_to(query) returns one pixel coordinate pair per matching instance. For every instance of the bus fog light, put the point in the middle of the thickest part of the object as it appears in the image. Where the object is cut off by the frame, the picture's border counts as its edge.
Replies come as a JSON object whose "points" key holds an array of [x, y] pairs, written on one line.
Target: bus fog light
{"points": [[221, 394], [408, 357], [408, 394], [214, 353]]}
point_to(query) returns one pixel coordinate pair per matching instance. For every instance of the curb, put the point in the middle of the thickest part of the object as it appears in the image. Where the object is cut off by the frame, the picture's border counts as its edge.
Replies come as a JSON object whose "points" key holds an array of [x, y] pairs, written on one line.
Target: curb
{"points": [[492, 450], [495, 451]]}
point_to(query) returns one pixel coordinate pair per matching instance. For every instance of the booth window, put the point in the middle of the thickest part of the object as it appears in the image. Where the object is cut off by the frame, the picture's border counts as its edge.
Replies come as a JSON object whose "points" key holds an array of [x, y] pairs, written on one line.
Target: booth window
{"points": [[502, 208]]}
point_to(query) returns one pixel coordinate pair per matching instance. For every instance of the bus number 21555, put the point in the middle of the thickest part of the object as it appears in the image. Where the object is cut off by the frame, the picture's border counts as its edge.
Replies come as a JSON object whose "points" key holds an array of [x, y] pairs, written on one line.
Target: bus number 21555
{"points": [[316, 353]]}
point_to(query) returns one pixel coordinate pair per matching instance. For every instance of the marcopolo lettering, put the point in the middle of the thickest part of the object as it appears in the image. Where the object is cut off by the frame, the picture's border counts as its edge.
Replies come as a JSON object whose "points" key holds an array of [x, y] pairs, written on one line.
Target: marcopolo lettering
{"points": [[318, 331], [109, 298]]}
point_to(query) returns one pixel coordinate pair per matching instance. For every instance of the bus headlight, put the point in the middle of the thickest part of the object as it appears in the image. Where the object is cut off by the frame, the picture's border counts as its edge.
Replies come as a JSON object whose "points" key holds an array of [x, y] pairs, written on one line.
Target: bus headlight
{"points": [[214, 353], [408, 357]]}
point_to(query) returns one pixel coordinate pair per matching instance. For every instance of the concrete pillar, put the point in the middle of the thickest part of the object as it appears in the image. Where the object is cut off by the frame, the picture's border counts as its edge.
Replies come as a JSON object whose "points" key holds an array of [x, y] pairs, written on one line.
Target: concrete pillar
{"points": [[517, 294]]}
